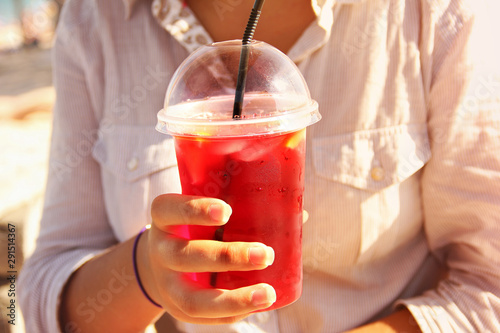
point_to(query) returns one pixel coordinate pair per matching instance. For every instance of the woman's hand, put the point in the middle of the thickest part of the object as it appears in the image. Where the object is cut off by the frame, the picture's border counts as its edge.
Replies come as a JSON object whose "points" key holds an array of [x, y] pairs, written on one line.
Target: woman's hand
{"points": [[163, 258]]}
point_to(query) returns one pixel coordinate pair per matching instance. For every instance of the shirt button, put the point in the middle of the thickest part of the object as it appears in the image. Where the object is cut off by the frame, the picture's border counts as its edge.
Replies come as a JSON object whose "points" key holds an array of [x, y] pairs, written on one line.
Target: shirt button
{"points": [[377, 173], [133, 164]]}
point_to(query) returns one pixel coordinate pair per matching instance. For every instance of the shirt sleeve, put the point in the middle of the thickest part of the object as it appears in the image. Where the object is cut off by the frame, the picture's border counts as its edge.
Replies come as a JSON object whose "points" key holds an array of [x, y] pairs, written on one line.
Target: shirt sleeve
{"points": [[461, 182], [74, 225]]}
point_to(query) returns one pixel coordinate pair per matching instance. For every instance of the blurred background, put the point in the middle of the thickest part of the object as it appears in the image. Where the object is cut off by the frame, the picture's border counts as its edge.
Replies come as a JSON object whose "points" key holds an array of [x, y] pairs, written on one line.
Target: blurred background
{"points": [[26, 99]]}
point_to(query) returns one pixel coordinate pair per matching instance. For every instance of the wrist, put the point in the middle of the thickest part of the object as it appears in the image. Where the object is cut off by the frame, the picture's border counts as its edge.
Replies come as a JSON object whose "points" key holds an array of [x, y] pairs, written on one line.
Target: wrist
{"points": [[142, 268]]}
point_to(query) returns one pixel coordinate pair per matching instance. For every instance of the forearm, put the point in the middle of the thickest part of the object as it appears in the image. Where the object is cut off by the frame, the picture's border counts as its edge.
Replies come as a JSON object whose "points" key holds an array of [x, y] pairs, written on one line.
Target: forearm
{"points": [[103, 292], [400, 321]]}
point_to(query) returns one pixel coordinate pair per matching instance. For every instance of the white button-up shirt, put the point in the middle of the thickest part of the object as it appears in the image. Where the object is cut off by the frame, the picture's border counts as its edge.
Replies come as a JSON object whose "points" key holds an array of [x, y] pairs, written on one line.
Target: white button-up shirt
{"points": [[402, 173]]}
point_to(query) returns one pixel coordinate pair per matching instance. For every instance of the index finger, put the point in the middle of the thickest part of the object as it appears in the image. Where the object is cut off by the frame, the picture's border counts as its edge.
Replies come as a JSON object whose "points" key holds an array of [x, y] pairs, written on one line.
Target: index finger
{"points": [[176, 209]]}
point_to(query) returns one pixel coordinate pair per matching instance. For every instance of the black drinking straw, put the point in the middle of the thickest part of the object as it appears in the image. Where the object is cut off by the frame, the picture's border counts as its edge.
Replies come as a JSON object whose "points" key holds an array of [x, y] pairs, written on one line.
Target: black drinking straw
{"points": [[243, 68], [240, 89]]}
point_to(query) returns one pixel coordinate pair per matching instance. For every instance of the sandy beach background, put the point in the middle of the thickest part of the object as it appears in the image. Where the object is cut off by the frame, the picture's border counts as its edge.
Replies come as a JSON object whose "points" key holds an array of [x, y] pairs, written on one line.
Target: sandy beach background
{"points": [[26, 100]]}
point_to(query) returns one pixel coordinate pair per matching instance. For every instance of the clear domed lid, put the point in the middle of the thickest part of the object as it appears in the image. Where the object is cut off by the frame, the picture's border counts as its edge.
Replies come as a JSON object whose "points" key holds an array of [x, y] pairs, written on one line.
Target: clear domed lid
{"points": [[200, 96]]}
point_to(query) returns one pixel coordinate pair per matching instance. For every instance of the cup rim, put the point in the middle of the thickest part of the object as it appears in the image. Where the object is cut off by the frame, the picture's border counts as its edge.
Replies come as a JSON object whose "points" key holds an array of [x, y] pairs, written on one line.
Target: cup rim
{"points": [[289, 121]]}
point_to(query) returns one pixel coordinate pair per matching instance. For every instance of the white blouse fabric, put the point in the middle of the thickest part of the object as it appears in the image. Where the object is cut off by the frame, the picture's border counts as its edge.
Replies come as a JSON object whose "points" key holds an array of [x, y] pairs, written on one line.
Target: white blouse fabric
{"points": [[403, 171]]}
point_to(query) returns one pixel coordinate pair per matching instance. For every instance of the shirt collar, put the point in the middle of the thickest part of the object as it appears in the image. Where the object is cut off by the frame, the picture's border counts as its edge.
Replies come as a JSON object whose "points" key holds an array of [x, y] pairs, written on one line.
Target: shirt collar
{"points": [[178, 20], [317, 4]]}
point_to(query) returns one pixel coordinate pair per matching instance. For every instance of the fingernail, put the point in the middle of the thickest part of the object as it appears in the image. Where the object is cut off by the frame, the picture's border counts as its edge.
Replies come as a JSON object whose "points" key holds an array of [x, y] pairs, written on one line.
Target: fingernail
{"points": [[219, 212], [263, 296], [260, 255]]}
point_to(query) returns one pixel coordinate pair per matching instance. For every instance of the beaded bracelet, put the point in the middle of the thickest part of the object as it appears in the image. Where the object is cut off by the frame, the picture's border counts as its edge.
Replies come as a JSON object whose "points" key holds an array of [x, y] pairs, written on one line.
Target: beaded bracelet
{"points": [[136, 271]]}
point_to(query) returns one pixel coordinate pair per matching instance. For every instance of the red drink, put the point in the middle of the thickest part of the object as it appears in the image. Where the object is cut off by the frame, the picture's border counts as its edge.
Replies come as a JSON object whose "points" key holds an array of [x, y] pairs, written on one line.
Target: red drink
{"points": [[254, 163], [262, 179]]}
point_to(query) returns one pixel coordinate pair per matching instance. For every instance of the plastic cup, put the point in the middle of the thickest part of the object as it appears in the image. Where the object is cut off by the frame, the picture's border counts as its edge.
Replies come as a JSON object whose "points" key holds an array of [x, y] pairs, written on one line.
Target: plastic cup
{"points": [[255, 163]]}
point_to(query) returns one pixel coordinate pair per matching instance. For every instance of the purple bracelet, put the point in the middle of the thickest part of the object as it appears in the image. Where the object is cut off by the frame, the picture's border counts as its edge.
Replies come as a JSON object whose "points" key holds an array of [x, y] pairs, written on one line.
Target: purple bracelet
{"points": [[136, 272]]}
